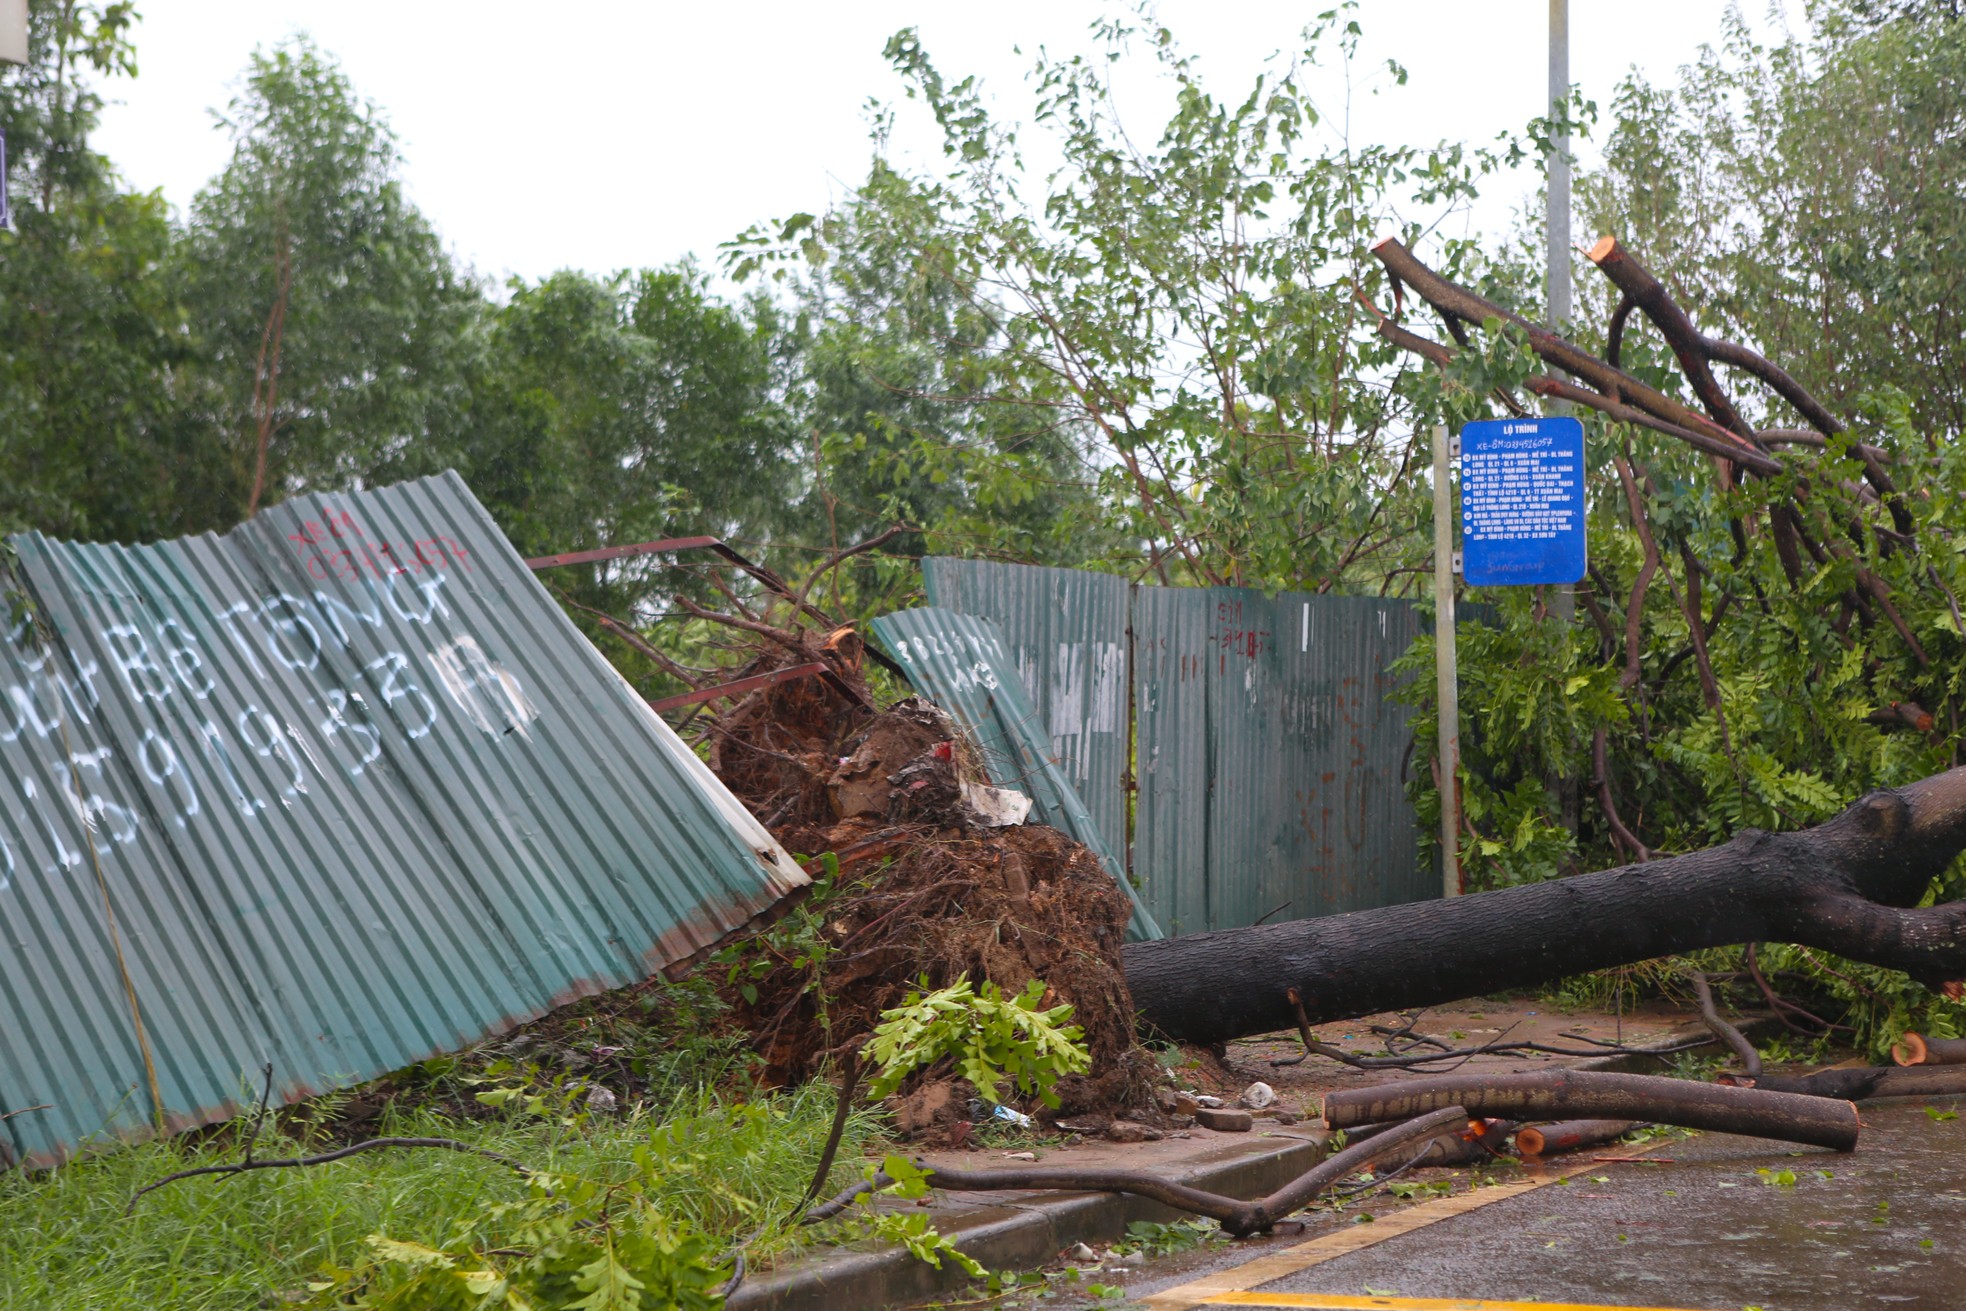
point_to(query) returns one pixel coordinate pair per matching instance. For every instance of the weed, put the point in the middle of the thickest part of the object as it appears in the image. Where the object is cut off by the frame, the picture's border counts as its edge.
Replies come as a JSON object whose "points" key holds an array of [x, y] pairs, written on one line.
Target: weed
{"points": [[1157, 1239], [229, 1245]]}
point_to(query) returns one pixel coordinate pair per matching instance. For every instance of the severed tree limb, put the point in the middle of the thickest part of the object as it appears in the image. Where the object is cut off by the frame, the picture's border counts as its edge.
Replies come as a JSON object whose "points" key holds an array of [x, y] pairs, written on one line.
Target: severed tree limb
{"points": [[1695, 351], [1570, 1135], [342, 1154], [1917, 1049], [1237, 1217], [1650, 295], [1791, 1117], [1564, 354], [1736, 1041]]}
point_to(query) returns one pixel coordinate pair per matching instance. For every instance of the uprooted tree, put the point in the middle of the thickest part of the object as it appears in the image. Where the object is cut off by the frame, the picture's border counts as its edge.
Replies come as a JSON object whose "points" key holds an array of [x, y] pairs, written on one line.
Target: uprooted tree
{"points": [[1852, 886], [1718, 529]]}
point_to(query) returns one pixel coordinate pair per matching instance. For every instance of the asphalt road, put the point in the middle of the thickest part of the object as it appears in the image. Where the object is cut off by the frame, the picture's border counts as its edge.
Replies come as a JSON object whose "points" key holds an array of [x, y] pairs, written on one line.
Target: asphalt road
{"points": [[1728, 1223]]}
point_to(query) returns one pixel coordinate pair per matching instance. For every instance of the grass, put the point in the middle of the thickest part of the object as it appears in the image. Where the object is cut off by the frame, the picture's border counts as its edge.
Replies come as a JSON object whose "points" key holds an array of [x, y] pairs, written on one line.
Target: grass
{"points": [[225, 1243]]}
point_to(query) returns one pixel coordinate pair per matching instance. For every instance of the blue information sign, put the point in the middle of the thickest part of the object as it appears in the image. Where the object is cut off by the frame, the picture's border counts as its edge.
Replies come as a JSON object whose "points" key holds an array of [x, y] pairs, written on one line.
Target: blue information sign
{"points": [[1522, 502]]}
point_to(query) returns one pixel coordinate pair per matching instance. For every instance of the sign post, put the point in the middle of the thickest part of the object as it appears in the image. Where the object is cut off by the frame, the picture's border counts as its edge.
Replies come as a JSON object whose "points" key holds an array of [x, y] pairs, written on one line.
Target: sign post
{"points": [[1522, 525], [1445, 680]]}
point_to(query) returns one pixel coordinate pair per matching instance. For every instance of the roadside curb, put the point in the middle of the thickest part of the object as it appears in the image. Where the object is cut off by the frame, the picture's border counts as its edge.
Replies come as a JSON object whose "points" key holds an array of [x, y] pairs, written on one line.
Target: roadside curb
{"points": [[1018, 1235], [1031, 1231]]}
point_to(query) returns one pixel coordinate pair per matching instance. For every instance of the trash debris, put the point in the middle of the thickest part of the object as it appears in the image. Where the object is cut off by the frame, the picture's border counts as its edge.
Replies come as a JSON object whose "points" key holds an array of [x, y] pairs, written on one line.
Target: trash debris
{"points": [[1011, 1116], [601, 1101], [1079, 1252], [1257, 1096], [996, 807]]}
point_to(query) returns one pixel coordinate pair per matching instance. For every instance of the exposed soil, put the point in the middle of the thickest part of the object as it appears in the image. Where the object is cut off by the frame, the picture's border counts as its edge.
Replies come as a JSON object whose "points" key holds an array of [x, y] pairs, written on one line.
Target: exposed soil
{"points": [[926, 892]]}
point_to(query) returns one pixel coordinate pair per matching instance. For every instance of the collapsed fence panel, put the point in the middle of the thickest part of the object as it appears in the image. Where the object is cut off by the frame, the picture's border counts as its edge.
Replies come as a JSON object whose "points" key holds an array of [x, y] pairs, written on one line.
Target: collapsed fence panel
{"points": [[962, 663], [1269, 755], [336, 792], [1066, 631]]}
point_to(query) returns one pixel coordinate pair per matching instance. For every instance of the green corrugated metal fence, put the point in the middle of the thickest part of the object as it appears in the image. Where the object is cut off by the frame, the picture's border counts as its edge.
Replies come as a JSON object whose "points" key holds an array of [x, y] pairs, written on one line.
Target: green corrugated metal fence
{"points": [[1270, 758], [962, 663], [354, 791], [1066, 630]]}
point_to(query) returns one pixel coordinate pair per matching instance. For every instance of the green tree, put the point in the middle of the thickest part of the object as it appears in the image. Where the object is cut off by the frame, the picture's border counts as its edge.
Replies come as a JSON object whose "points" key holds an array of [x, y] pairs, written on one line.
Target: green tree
{"points": [[1175, 319], [616, 410], [334, 333], [88, 332]]}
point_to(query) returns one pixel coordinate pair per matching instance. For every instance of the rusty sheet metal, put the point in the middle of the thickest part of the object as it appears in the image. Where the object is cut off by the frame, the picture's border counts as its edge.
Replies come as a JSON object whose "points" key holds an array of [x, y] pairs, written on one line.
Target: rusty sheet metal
{"points": [[1066, 631], [347, 789], [962, 663], [1271, 757]]}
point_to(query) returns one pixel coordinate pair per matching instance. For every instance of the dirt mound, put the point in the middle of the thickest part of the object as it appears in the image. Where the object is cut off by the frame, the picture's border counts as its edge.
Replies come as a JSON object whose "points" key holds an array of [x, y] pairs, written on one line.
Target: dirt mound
{"points": [[927, 891]]}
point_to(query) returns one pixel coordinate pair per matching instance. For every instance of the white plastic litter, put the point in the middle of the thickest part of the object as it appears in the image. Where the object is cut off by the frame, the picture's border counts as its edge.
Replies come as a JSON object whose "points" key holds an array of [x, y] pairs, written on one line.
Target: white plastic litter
{"points": [[1258, 1095]]}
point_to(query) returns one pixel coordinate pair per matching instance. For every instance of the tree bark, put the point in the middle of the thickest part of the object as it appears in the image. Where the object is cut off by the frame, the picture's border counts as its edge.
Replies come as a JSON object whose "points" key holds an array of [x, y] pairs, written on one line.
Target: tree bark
{"points": [[1849, 886], [1819, 1120]]}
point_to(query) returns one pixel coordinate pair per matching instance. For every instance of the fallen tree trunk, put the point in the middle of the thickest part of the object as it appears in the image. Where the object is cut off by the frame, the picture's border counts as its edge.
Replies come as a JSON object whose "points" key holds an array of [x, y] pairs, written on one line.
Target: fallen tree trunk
{"points": [[1238, 1217], [1849, 886], [1917, 1049], [1582, 1094], [1570, 1136]]}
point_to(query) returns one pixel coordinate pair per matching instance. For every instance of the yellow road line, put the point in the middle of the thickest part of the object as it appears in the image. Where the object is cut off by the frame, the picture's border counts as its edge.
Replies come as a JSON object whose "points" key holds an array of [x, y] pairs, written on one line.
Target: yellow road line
{"points": [[1281, 1265], [1349, 1302]]}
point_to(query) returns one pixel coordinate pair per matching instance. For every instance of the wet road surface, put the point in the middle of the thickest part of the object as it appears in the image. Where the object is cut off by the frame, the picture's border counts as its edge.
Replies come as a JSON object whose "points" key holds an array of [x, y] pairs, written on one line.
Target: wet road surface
{"points": [[1729, 1223]]}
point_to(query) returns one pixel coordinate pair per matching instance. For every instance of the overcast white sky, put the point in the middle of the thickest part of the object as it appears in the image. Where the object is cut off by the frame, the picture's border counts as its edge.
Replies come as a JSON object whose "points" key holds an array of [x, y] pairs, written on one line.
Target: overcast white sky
{"points": [[603, 134]]}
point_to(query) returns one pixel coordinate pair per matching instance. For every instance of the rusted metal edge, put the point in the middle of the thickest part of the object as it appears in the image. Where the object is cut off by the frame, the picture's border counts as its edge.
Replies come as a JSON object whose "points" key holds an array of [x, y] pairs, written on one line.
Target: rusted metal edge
{"points": [[756, 681]]}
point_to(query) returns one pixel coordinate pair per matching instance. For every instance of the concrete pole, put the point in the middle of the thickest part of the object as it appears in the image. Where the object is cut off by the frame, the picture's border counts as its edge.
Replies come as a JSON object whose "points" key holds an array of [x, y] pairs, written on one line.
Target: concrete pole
{"points": [[1447, 681], [1557, 257], [1558, 266], [13, 31]]}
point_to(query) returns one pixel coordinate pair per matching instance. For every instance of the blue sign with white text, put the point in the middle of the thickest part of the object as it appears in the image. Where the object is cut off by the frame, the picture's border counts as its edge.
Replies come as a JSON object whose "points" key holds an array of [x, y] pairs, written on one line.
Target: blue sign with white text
{"points": [[1522, 502]]}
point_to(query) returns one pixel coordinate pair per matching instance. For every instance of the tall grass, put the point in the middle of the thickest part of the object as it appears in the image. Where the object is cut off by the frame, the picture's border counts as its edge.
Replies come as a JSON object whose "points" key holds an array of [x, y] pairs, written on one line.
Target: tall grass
{"points": [[239, 1242]]}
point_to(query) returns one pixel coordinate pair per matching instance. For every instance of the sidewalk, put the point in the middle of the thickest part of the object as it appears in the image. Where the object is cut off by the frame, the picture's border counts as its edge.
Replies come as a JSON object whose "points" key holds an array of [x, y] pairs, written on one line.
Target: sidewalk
{"points": [[1025, 1230]]}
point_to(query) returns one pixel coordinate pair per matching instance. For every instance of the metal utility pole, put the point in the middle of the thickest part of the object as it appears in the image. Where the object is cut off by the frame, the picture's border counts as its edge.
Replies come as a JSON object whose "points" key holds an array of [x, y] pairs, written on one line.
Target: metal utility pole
{"points": [[13, 31], [1557, 266], [1559, 189], [1447, 681]]}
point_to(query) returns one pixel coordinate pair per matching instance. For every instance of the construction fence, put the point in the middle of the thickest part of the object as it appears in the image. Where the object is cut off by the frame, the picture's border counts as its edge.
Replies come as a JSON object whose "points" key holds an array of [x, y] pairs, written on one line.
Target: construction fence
{"points": [[1241, 754]]}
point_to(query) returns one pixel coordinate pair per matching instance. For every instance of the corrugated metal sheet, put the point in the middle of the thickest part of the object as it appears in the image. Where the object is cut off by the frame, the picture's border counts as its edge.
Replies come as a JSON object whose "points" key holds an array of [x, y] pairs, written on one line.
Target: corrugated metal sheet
{"points": [[1270, 757], [1066, 631], [358, 793], [963, 664], [1268, 754]]}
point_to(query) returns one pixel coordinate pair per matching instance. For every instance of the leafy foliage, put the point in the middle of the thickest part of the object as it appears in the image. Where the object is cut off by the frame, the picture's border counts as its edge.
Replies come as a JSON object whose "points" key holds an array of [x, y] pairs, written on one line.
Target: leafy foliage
{"points": [[990, 1039], [572, 1245]]}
